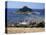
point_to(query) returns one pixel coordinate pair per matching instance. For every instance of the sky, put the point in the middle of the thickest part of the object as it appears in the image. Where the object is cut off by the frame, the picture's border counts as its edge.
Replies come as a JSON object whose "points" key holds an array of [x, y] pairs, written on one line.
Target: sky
{"points": [[13, 4]]}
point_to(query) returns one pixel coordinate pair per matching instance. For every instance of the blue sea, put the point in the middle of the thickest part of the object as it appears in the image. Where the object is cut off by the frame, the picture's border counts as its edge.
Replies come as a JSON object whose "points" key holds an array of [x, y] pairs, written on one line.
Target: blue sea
{"points": [[12, 17]]}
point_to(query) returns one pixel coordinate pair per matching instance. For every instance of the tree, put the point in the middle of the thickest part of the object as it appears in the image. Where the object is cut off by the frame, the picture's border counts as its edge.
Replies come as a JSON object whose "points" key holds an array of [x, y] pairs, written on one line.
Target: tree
{"points": [[41, 24]]}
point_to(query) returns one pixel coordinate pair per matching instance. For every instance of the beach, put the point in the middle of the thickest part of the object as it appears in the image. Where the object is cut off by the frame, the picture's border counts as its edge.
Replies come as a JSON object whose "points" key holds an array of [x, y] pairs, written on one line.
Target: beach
{"points": [[24, 30]]}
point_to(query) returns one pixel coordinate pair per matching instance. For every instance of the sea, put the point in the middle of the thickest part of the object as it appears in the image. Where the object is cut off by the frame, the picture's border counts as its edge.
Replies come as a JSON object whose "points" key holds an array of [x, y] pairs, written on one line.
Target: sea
{"points": [[12, 17]]}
